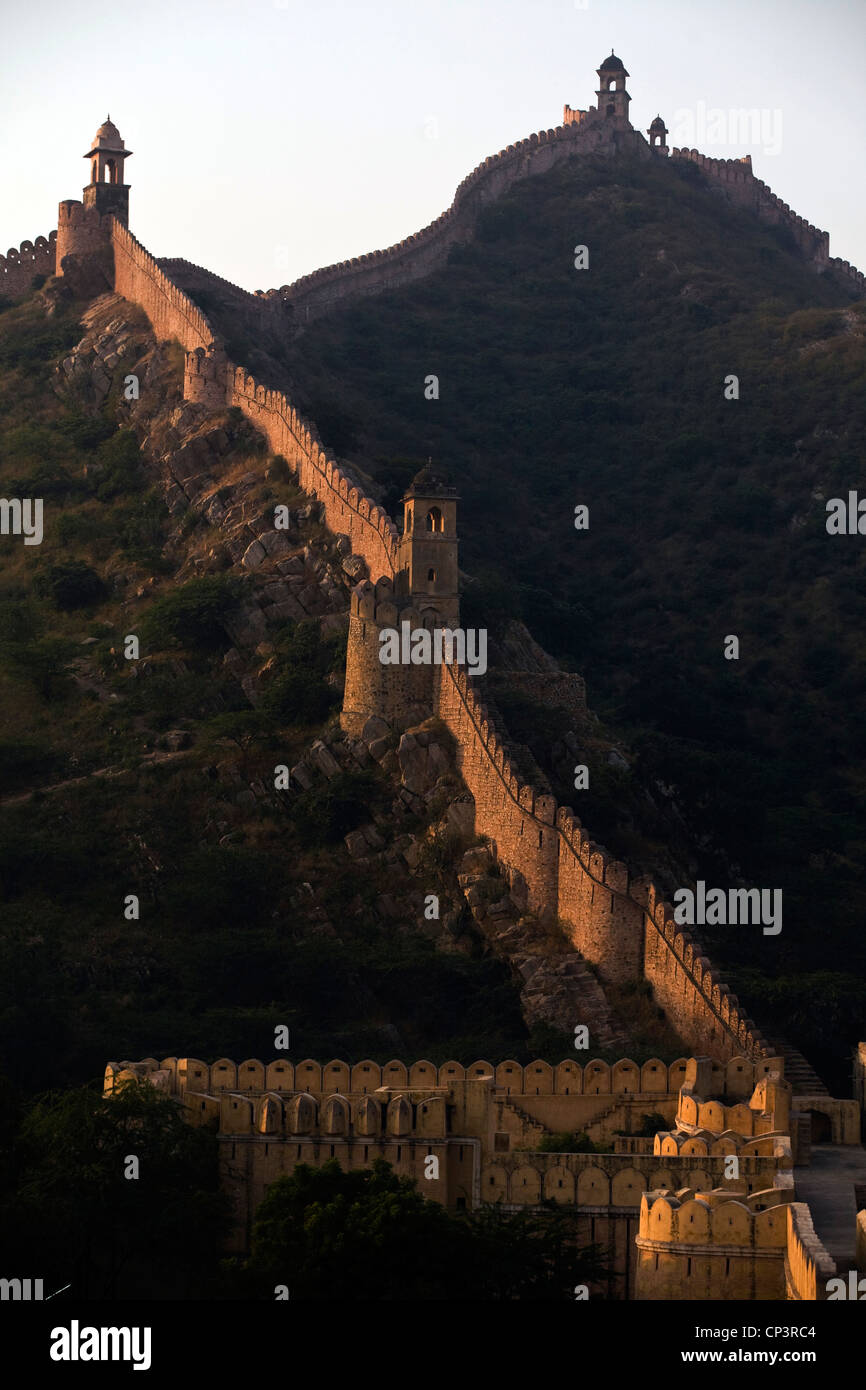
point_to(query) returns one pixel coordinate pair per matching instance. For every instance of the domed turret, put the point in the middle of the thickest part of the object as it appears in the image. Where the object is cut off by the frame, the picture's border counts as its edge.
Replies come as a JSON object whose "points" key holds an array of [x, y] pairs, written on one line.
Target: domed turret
{"points": [[658, 135], [107, 137], [107, 154], [84, 229], [613, 99]]}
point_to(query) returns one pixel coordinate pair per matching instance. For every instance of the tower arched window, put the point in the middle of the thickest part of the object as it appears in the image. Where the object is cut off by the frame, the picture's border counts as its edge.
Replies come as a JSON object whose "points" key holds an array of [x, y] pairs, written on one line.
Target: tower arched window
{"points": [[431, 576], [434, 520]]}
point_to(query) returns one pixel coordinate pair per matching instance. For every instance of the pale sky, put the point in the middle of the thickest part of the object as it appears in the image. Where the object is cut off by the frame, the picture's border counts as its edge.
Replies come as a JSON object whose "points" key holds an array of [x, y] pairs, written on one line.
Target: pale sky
{"points": [[272, 137]]}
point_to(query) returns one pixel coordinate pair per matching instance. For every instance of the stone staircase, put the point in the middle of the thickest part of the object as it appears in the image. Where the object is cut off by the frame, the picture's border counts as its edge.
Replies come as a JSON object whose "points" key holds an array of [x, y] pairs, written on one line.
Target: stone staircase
{"points": [[535, 1129], [596, 1129], [804, 1080]]}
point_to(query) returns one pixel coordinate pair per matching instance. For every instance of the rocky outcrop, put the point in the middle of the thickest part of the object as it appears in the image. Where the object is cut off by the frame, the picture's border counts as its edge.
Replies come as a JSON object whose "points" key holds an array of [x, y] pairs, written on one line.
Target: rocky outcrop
{"points": [[557, 986]]}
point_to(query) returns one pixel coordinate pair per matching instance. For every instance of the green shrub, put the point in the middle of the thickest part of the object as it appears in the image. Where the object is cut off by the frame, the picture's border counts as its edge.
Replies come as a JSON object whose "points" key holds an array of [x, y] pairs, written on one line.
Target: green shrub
{"points": [[192, 616], [569, 1143], [118, 465], [71, 584], [298, 697], [324, 814]]}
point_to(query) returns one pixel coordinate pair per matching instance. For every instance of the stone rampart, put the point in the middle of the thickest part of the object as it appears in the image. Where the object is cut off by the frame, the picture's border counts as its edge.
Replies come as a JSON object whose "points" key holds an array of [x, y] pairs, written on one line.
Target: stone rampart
{"points": [[850, 272], [560, 873], [138, 278], [702, 1244], [746, 191], [419, 254], [808, 1265], [591, 1078], [17, 268], [347, 508]]}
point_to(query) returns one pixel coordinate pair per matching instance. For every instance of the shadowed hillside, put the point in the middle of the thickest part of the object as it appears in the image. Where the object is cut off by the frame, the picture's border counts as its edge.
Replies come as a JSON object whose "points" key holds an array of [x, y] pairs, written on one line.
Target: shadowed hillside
{"points": [[707, 517]]}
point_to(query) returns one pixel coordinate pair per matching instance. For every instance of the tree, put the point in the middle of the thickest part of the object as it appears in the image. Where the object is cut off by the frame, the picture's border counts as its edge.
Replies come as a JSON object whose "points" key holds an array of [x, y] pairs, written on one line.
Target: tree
{"points": [[108, 1235], [241, 727], [192, 616], [368, 1234], [71, 584]]}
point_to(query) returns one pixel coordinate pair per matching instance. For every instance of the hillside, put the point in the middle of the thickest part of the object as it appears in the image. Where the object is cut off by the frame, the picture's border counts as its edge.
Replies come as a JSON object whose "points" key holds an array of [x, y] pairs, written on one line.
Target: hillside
{"points": [[153, 777], [606, 387]]}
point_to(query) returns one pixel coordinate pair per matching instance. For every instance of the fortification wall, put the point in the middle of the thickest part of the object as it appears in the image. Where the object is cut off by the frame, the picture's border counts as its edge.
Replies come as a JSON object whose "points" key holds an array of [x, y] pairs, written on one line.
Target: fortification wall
{"points": [[17, 268], [401, 694], [419, 254], [555, 869], [808, 1265], [710, 1246], [81, 231], [593, 1078], [619, 1180], [347, 508], [209, 376], [850, 272], [558, 872], [188, 276], [745, 190], [138, 278], [567, 1078]]}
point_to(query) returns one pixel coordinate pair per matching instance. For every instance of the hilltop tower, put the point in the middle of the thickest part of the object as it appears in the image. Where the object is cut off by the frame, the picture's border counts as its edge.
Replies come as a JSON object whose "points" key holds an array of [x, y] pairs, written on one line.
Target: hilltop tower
{"points": [[83, 228], [428, 549], [613, 99], [107, 190], [658, 136]]}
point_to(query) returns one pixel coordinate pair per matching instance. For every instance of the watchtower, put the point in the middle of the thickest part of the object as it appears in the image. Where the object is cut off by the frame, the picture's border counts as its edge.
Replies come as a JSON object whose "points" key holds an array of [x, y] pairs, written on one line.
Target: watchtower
{"points": [[84, 228], [428, 549], [107, 190], [613, 99], [658, 136]]}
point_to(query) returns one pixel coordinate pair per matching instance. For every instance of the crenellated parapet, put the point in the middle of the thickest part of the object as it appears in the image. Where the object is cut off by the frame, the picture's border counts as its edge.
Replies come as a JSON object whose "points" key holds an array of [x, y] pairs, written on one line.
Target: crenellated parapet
{"points": [[742, 188], [556, 870], [401, 693], [206, 376], [138, 278], [850, 272], [18, 267], [569, 1077], [808, 1264], [348, 510], [697, 1245], [419, 254]]}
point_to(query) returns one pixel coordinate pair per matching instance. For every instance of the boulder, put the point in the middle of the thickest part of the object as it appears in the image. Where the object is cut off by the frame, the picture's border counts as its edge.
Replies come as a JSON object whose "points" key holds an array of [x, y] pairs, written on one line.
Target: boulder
{"points": [[355, 567], [324, 759], [254, 556], [176, 739], [276, 543], [356, 844], [374, 728]]}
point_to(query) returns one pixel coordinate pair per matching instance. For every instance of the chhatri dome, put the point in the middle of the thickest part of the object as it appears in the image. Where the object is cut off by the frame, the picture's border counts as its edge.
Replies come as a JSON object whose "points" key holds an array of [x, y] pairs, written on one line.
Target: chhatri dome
{"points": [[106, 138]]}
